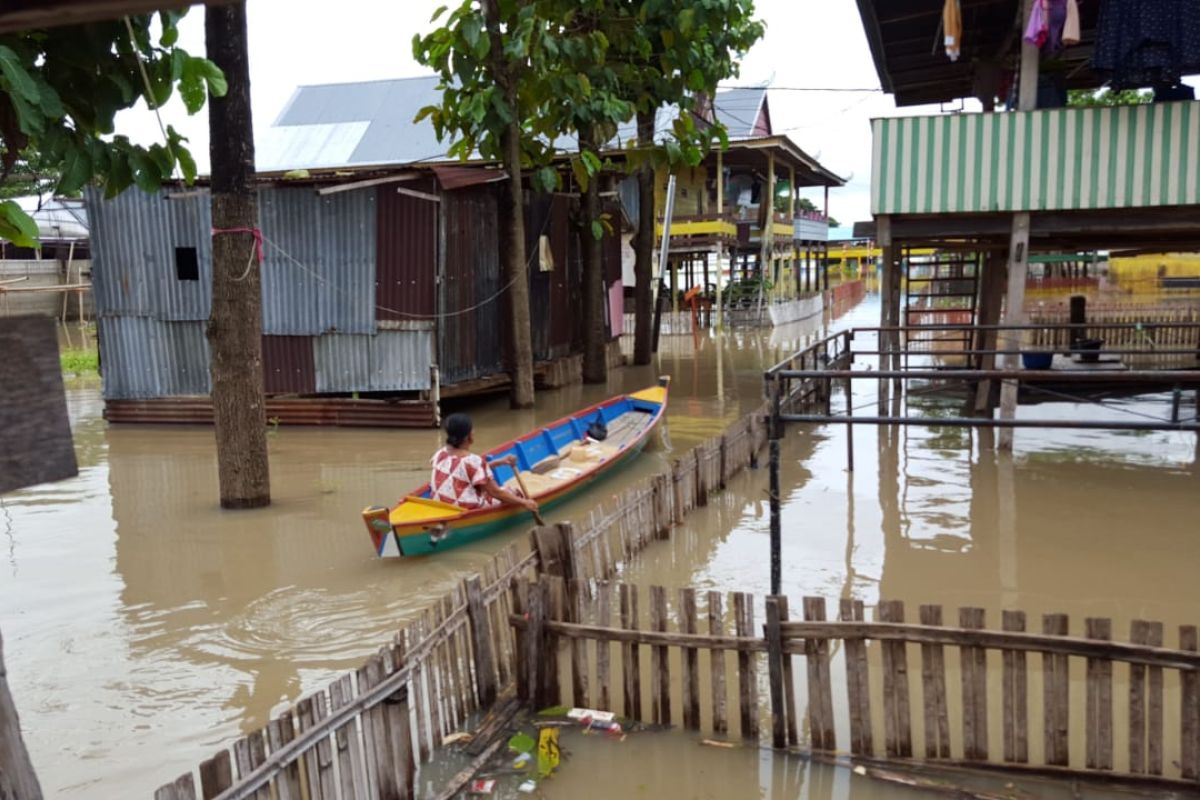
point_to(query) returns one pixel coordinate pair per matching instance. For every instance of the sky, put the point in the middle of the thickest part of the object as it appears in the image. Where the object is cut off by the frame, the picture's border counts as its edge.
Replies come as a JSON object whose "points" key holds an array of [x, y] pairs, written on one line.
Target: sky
{"points": [[807, 44]]}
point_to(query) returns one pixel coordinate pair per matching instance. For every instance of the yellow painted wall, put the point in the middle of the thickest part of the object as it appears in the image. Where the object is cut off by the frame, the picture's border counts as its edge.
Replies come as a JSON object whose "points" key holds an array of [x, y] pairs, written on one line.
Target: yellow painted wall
{"points": [[689, 189], [1135, 269]]}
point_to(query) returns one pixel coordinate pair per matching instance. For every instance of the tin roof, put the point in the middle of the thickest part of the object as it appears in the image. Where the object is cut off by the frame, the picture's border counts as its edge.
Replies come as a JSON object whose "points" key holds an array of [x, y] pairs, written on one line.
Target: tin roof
{"points": [[739, 111]]}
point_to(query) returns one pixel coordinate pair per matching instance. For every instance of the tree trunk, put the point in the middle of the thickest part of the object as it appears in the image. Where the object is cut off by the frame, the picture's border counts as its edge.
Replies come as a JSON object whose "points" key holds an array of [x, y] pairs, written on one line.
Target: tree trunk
{"points": [[235, 323], [595, 355], [516, 263], [17, 778], [643, 265]]}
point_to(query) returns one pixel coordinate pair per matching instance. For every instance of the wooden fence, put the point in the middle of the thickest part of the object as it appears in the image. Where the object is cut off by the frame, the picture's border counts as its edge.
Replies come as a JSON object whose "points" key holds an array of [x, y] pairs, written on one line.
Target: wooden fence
{"points": [[364, 735], [640, 655], [1173, 330]]}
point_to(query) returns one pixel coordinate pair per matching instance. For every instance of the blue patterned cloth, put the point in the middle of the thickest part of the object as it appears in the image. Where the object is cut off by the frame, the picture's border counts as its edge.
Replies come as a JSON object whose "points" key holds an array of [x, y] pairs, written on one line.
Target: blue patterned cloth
{"points": [[1147, 42]]}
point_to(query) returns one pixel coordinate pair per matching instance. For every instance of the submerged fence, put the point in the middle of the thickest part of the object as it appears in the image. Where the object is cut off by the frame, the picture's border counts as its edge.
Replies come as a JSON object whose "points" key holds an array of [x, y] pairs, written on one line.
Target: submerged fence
{"points": [[650, 667], [364, 735]]}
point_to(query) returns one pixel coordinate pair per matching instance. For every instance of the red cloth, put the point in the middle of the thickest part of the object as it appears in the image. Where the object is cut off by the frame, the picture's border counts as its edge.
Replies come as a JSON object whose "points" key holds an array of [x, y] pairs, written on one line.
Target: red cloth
{"points": [[459, 480]]}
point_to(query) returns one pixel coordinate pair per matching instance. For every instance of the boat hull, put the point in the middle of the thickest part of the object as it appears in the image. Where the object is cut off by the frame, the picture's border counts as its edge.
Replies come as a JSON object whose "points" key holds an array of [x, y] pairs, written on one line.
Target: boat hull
{"points": [[423, 542], [422, 525]]}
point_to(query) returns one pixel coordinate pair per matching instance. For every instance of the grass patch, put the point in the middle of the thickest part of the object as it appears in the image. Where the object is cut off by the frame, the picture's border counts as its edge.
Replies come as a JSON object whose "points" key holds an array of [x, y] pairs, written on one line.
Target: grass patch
{"points": [[79, 362]]}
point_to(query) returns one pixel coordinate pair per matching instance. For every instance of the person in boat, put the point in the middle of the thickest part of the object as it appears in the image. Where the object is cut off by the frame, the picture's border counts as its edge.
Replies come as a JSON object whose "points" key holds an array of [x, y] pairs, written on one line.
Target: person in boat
{"points": [[465, 479]]}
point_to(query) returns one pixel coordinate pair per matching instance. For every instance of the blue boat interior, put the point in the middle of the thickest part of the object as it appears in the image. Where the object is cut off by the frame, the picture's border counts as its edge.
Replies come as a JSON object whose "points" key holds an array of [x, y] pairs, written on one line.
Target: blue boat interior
{"points": [[549, 441]]}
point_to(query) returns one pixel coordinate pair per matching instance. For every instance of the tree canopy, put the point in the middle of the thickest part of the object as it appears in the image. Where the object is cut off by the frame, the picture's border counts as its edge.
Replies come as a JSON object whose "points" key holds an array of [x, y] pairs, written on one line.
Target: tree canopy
{"points": [[1078, 98], [60, 91]]}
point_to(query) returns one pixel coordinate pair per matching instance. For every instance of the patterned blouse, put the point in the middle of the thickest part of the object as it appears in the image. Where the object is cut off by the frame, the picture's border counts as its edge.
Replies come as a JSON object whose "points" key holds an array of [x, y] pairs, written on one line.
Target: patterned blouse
{"points": [[459, 480]]}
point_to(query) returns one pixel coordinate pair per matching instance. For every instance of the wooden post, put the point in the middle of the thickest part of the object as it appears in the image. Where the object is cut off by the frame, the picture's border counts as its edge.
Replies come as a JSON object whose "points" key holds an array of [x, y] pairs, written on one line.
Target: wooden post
{"points": [[604, 620], [481, 642], [1016, 703], [743, 610], [897, 723], [690, 661], [630, 654], [1189, 709], [1146, 704], [889, 312], [820, 684], [767, 200], [349, 752], [1099, 700], [773, 491], [858, 685], [775, 656], [660, 665], [716, 627], [974, 690], [933, 688], [720, 236], [1055, 683]]}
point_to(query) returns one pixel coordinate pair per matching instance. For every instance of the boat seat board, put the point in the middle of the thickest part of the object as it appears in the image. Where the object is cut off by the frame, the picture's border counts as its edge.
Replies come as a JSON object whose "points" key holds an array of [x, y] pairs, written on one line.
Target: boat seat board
{"points": [[417, 509]]}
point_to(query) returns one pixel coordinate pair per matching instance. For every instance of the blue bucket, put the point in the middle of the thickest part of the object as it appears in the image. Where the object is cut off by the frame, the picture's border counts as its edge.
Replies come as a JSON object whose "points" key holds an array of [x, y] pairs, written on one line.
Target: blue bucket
{"points": [[1037, 360]]}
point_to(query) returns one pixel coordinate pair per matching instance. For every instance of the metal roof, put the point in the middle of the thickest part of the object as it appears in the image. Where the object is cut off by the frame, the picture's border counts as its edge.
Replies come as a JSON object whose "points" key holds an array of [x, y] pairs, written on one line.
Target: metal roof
{"points": [[738, 110], [905, 40], [353, 124]]}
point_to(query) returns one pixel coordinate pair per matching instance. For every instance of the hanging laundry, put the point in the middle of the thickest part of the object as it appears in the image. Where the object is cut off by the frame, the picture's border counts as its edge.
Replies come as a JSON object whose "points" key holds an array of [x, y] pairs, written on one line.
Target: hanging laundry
{"points": [[952, 26], [1071, 33], [1146, 42], [1056, 19], [1038, 29]]}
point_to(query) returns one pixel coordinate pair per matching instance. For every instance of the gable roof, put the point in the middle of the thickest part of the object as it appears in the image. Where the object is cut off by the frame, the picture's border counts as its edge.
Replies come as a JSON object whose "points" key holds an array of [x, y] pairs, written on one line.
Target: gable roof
{"points": [[743, 112]]}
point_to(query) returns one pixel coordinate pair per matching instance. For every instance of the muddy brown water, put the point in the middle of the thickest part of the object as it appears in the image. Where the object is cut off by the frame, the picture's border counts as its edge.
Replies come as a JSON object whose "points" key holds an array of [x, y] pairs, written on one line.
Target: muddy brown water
{"points": [[144, 627]]}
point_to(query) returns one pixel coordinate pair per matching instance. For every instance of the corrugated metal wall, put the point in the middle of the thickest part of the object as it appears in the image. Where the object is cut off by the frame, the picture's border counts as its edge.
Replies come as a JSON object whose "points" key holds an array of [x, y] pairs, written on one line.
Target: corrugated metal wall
{"points": [[406, 252], [346, 301], [288, 365], [190, 225], [1054, 159], [289, 219], [471, 339], [387, 361], [550, 292], [143, 357]]}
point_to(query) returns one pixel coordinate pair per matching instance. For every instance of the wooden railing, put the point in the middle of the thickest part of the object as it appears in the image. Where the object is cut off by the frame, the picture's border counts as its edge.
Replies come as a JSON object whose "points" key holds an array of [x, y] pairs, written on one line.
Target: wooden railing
{"points": [[364, 734], [922, 715]]}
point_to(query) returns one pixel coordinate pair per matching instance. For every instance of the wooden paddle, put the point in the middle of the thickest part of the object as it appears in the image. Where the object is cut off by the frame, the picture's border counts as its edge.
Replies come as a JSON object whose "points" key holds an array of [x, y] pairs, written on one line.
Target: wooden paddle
{"points": [[537, 515]]}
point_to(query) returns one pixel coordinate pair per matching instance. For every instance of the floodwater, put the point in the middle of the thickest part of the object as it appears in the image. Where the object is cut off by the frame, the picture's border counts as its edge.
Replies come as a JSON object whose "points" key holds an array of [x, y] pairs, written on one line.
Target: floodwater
{"points": [[145, 628]]}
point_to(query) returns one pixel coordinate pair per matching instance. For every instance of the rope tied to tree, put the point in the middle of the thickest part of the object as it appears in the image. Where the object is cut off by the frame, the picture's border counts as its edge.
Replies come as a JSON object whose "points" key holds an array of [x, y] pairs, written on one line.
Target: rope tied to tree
{"points": [[255, 255]]}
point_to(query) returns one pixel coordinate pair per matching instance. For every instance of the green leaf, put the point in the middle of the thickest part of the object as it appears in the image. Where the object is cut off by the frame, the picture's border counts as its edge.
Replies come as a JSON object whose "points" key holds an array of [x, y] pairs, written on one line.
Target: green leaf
{"points": [[120, 176], [49, 101], [597, 229], [213, 76], [170, 32], [16, 226], [471, 29], [29, 119], [580, 172], [145, 172], [591, 161], [585, 85], [187, 164], [18, 79], [76, 171], [437, 12]]}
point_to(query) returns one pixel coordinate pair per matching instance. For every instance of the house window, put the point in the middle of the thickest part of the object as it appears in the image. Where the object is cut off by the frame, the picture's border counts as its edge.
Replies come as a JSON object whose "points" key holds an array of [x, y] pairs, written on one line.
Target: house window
{"points": [[187, 265]]}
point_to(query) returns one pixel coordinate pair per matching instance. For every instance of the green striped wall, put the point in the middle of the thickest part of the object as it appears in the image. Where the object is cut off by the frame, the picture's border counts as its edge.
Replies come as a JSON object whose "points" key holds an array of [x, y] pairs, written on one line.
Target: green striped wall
{"points": [[1057, 159]]}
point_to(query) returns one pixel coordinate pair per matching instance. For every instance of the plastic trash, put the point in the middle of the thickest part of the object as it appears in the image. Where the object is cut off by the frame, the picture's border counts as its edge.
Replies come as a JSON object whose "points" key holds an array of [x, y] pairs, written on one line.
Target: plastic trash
{"points": [[521, 742], [482, 786], [590, 714], [548, 753], [528, 787], [522, 761]]}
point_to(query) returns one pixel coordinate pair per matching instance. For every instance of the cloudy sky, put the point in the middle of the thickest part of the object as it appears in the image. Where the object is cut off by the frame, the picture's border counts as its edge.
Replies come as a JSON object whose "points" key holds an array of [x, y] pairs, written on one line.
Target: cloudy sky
{"points": [[808, 44]]}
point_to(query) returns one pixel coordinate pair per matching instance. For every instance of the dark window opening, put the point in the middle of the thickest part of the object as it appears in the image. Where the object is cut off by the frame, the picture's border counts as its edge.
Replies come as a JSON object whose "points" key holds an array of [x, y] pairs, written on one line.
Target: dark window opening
{"points": [[187, 264]]}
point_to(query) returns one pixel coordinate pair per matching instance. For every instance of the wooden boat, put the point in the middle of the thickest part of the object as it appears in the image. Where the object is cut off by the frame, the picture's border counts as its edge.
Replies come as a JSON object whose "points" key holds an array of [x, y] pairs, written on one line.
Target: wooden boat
{"points": [[556, 462]]}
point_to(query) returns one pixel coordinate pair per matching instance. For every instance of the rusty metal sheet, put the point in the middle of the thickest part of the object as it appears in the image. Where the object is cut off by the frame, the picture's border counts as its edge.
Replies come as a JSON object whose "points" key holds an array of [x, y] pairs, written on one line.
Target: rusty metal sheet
{"points": [[288, 366], [406, 253], [471, 329]]}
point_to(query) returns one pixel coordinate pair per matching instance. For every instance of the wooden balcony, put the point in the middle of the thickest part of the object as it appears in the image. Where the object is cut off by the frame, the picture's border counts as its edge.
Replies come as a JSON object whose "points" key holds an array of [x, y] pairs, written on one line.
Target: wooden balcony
{"points": [[1067, 159]]}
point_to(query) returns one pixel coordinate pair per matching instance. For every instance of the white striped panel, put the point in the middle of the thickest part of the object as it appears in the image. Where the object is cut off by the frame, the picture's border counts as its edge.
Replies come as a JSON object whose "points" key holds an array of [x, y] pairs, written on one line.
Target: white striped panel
{"points": [[923, 165], [1103, 180], [988, 164], [941, 165], [1050, 170], [1038, 173], [876, 163], [959, 183], [1157, 162], [893, 162], [1122, 145], [1174, 195], [1087, 174], [1193, 146], [1070, 198], [908, 173], [1141, 114], [1016, 189], [1003, 168]]}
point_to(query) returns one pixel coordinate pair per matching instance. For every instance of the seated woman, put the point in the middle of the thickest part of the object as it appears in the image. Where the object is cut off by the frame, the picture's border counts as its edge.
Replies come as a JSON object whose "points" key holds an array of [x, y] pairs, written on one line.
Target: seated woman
{"points": [[465, 479]]}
